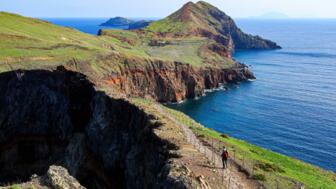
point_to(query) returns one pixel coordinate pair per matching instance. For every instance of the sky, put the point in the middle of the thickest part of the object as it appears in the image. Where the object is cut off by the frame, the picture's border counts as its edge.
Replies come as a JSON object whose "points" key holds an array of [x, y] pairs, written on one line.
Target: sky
{"points": [[162, 8]]}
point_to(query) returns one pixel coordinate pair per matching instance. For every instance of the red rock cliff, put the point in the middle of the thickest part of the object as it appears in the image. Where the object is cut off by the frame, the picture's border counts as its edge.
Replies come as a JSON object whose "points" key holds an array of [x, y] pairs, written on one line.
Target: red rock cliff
{"points": [[171, 81]]}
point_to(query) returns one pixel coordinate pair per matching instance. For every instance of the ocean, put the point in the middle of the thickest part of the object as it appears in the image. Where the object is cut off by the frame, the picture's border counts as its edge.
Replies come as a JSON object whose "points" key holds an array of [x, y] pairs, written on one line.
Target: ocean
{"points": [[291, 107], [87, 25]]}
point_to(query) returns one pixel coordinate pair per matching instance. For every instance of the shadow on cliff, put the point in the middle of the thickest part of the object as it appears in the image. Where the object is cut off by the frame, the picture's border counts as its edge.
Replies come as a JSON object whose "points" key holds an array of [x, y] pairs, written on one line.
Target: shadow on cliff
{"points": [[58, 118]]}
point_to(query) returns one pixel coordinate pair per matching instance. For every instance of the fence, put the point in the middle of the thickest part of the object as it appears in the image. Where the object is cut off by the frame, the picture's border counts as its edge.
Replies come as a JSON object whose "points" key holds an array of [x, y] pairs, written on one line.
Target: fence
{"points": [[228, 181], [248, 165], [212, 149]]}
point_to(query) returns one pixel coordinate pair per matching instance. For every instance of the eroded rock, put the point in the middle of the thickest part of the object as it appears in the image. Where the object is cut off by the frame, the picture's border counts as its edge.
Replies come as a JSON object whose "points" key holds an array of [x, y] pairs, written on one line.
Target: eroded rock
{"points": [[59, 178], [57, 119]]}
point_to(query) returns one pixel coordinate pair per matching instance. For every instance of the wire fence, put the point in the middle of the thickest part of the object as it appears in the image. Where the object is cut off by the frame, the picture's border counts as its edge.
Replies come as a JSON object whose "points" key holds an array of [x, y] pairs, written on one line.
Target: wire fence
{"points": [[212, 149], [248, 165], [227, 179]]}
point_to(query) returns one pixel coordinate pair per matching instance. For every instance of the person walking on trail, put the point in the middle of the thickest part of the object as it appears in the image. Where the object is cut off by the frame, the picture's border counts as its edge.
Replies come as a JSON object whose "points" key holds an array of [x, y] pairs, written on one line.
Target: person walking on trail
{"points": [[225, 157]]}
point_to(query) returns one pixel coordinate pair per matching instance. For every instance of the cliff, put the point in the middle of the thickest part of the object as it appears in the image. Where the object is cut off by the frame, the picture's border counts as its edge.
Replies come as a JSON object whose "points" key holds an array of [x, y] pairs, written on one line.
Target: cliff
{"points": [[167, 81], [57, 118]]}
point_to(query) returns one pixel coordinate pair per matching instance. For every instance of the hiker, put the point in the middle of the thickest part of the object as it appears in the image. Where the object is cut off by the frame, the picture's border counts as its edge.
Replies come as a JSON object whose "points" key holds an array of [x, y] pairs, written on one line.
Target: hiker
{"points": [[225, 156]]}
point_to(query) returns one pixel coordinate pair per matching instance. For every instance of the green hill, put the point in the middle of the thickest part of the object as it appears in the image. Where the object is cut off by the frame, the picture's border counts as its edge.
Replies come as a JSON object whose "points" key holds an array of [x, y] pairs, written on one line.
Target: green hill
{"points": [[203, 19], [32, 43], [29, 43]]}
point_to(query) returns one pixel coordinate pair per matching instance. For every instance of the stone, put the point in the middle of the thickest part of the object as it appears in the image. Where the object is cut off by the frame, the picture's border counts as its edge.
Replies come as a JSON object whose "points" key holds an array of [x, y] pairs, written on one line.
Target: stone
{"points": [[59, 178]]}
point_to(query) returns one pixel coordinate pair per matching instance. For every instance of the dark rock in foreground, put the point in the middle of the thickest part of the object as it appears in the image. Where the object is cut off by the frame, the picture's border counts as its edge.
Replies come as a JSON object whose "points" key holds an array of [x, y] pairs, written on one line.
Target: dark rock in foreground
{"points": [[58, 118]]}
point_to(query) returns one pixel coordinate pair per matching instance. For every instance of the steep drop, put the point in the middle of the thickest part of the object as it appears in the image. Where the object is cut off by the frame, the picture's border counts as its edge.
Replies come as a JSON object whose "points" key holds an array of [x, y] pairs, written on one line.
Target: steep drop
{"points": [[58, 118]]}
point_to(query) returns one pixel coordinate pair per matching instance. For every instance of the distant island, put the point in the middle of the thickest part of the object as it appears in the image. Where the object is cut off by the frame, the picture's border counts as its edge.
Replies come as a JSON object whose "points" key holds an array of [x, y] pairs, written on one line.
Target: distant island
{"points": [[128, 23], [271, 16]]}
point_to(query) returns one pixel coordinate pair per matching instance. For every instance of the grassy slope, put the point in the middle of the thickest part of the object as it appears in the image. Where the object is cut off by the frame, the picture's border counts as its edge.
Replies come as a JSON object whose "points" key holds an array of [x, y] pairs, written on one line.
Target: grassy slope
{"points": [[22, 37], [32, 43], [189, 18], [312, 177], [167, 25], [183, 49]]}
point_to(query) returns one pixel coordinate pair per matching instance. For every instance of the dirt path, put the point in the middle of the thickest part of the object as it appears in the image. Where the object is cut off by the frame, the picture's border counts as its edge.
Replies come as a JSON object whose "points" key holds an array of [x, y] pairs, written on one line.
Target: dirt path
{"points": [[206, 164]]}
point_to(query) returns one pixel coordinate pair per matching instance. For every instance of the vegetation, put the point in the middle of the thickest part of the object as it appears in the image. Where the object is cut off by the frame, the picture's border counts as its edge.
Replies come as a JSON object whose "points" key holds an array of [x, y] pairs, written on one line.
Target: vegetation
{"points": [[16, 186], [260, 177], [23, 37], [183, 50], [32, 43], [167, 25]]}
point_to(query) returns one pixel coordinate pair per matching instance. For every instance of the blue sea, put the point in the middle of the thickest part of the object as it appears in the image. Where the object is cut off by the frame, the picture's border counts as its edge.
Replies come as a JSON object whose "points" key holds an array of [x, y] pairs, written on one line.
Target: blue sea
{"points": [[291, 107], [87, 25]]}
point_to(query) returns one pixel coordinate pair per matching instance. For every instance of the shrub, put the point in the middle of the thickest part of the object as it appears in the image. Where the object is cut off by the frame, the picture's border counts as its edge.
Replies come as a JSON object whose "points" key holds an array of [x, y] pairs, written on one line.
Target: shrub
{"points": [[225, 136], [201, 136], [260, 177], [16, 186], [268, 167]]}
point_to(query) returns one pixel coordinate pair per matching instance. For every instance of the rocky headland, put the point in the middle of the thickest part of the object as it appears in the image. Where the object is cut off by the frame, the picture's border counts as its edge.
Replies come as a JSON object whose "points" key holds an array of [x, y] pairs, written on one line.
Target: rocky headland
{"points": [[203, 19]]}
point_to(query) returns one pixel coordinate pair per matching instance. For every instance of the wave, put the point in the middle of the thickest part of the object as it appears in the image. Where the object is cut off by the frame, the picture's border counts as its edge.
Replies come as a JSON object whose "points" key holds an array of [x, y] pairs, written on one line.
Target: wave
{"points": [[310, 54]]}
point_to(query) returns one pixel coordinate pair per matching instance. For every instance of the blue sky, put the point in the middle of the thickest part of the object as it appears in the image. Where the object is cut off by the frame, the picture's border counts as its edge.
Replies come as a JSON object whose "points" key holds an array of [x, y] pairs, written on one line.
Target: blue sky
{"points": [[161, 8]]}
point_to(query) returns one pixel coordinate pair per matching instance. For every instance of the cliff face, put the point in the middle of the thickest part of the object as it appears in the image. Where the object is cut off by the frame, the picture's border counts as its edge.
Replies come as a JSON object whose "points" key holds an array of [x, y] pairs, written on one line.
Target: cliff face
{"points": [[58, 118], [171, 81]]}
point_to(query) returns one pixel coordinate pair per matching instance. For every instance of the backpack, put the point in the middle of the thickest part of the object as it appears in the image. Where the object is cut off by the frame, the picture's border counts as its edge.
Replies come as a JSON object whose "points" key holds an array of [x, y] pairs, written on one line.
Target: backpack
{"points": [[225, 155]]}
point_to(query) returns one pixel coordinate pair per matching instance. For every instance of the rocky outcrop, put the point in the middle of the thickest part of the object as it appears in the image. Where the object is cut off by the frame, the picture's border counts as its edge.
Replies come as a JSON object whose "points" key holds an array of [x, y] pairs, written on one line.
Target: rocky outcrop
{"points": [[58, 177], [171, 81], [58, 118]]}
